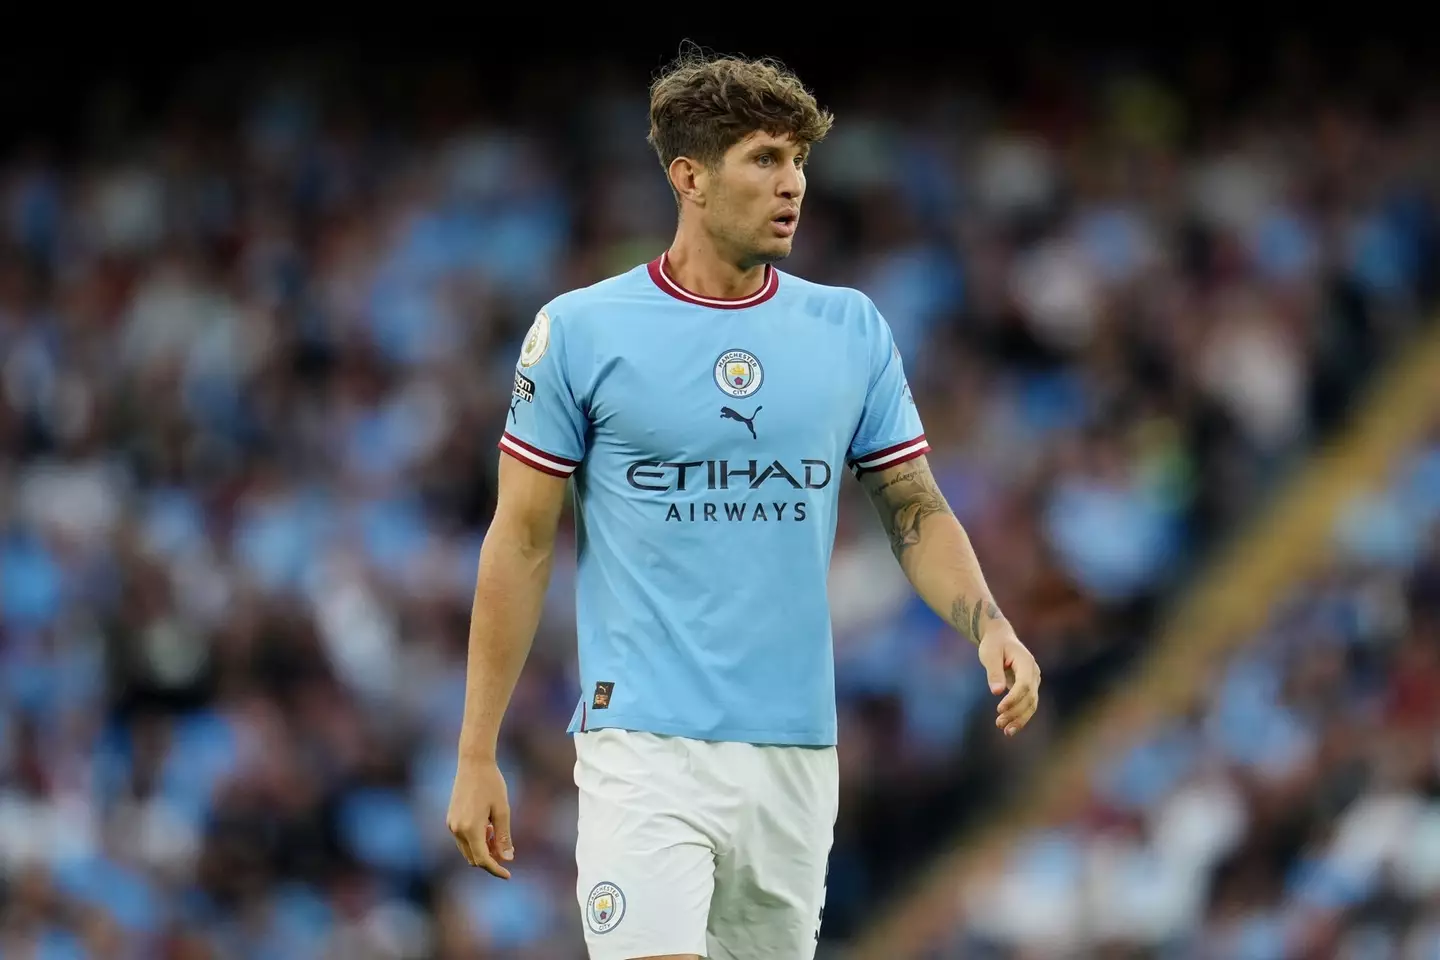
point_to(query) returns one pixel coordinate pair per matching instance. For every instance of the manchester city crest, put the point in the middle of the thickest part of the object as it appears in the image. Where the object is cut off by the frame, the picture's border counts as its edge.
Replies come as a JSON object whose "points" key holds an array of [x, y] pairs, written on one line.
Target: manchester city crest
{"points": [[738, 373], [605, 908]]}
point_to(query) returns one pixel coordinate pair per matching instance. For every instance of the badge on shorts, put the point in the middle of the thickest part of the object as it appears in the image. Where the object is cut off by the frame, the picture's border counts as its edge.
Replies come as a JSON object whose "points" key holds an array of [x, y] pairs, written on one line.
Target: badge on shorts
{"points": [[605, 908]]}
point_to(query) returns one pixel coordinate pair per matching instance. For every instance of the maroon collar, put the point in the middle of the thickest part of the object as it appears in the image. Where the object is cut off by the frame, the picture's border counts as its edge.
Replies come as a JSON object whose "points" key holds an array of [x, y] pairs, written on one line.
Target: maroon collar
{"points": [[660, 273]]}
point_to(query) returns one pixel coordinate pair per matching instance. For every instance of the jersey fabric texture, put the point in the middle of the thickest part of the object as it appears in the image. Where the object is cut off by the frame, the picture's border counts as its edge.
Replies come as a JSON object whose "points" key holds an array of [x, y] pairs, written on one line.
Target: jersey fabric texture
{"points": [[707, 440]]}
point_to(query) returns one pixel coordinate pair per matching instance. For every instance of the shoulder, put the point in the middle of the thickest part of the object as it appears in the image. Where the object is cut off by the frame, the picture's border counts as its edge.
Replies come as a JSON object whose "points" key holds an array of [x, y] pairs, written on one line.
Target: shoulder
{"points": [[846, 305], [824, 293], [582, 306], [569, 320]]}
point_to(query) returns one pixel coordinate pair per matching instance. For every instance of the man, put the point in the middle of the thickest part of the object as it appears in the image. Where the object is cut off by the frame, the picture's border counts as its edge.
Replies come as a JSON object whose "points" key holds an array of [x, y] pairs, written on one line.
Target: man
{"points": [[705, 406]]}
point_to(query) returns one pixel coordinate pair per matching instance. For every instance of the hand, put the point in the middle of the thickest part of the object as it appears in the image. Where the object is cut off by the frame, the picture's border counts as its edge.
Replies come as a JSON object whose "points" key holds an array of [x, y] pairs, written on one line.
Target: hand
{"points": [[1008, 665], [479, 816]]}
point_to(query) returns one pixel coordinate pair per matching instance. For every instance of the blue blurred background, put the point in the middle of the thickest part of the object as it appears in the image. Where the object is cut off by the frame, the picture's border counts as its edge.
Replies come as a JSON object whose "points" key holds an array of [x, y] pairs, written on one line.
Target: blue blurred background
{"points": [[258, 311]]}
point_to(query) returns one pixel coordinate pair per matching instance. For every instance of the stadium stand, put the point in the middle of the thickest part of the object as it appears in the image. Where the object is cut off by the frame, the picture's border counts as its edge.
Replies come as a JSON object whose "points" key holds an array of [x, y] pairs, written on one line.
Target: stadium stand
{"points": [[256, 351], [1325, 514], [1293, 811]]}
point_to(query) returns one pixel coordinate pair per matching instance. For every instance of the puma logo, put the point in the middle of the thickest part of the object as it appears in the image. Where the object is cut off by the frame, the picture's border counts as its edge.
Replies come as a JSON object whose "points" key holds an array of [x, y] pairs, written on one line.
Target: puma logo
{"points": [[513, 404], [727, 413]]}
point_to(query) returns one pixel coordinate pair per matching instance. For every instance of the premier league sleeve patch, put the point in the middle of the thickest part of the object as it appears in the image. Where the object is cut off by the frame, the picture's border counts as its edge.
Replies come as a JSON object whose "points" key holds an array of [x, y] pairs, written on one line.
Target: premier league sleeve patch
{"points": [[537, 340]]}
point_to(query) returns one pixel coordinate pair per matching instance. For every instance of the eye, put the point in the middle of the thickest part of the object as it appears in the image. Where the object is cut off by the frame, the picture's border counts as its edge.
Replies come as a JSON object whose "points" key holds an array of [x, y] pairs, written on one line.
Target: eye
{"points": [[765, 159], [800, 161]]}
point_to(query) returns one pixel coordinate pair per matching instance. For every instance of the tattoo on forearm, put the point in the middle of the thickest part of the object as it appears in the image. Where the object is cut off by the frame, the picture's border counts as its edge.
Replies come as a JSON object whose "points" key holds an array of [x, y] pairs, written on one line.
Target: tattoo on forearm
{"points": [[904, 501], [909, 476], [972, 617]]}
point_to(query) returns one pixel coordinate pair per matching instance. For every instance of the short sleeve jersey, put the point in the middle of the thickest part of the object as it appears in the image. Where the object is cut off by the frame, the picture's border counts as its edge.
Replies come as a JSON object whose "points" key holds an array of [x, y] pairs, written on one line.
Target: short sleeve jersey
{"points": [[707, 440]]}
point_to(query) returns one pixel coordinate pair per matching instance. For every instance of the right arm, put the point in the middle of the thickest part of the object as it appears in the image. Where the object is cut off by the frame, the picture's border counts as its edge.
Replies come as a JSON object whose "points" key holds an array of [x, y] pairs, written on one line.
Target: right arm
{"points": [[543, 444], [515, 562]]}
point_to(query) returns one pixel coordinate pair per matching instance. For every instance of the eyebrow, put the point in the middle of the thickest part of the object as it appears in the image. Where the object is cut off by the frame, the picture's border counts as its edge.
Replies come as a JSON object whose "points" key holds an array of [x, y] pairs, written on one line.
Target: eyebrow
{"points": [[778, 147]]}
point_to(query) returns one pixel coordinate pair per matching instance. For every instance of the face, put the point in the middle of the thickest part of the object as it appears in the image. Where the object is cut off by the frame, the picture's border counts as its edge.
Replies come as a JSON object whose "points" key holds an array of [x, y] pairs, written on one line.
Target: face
{"points": [[752, 197]]}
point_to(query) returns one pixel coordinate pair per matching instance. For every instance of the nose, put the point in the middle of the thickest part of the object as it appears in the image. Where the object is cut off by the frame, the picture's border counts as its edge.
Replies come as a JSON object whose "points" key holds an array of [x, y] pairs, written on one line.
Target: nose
{"points": [[792, 184]]}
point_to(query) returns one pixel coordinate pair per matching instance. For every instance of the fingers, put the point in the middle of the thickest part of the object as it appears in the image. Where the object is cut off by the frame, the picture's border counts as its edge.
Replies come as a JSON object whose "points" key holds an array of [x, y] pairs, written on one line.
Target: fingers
{"points": [[487, 863], [500, 845], [1023, 699], [464, 846], [1009, 666], [476, 855], [1013, 719], [1026, 681], [482, 857], [475, 850]]}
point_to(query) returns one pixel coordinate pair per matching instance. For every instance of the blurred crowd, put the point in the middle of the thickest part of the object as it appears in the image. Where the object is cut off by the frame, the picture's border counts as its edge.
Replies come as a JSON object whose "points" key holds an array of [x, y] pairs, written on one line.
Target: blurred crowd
{"points": [[1296, 811], [255, 354]]}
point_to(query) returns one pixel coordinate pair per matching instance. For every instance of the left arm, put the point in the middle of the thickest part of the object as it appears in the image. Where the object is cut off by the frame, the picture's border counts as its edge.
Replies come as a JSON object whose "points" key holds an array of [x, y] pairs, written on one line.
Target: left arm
{"points": [[939, 560], [932, 547]]}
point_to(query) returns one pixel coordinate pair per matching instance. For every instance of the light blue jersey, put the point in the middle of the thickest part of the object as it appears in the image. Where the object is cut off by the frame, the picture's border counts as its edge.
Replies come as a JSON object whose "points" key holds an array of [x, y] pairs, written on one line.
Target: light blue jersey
{"points": [[707, 440]]}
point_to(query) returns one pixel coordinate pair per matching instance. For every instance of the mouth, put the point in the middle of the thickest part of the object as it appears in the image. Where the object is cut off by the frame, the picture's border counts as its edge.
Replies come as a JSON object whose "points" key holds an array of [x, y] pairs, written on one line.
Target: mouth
{"points": [[784, 225]]}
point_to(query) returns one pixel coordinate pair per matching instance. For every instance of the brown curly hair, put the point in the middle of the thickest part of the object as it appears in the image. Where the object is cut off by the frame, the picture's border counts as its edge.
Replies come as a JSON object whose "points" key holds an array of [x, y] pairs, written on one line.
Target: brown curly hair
{"points": [[702, 105]]}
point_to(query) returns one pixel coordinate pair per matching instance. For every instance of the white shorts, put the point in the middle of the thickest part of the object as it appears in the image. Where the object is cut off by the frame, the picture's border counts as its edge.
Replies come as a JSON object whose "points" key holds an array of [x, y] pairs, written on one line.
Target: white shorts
{"points": [[694, 847]]}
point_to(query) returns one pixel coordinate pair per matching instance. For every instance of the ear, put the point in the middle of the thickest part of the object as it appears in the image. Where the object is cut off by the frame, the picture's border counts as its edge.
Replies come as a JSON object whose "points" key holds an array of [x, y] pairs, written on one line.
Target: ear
{"points": [[688, 179]]}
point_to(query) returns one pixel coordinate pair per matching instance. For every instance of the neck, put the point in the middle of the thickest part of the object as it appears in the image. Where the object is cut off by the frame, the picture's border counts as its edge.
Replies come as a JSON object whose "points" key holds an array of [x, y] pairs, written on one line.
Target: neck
{"points": [[695, 263]]}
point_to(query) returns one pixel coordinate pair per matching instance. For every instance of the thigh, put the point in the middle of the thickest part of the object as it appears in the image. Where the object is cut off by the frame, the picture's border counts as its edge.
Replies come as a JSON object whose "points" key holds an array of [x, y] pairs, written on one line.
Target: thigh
{"points": [[646, 868], [770, 885]]}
